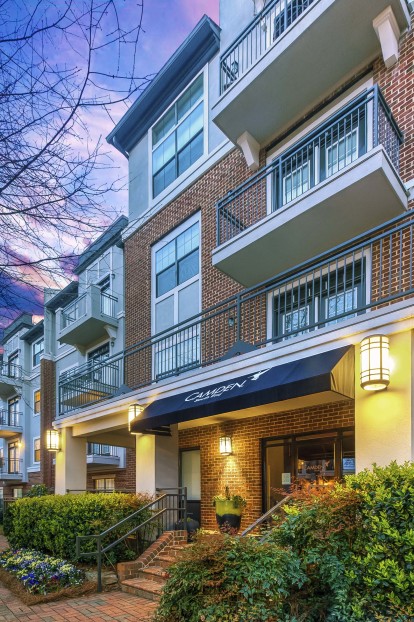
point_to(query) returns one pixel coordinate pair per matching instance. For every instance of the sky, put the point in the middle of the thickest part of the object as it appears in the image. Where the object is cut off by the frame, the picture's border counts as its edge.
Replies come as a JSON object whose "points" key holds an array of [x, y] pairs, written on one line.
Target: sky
{"points": [[166, 23]]}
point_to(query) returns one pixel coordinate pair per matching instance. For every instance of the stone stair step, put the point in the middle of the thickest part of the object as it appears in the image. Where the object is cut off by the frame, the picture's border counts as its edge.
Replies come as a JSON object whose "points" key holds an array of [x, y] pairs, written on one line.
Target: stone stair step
{"points": [[154, 573], [165, 560], [144, 588]]}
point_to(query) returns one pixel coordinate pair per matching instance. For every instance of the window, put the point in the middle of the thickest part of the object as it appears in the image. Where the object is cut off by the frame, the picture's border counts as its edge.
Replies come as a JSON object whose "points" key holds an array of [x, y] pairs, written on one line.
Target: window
{"points": [[97, 449], [17, 493], [12, 411], [12, 365], [102, 374], [322, 300], [99, 354], [99, 270], [13, 455], [37, 350], [176, 299], [105, 484], [178, 137], [36, 450], [36, 402]]}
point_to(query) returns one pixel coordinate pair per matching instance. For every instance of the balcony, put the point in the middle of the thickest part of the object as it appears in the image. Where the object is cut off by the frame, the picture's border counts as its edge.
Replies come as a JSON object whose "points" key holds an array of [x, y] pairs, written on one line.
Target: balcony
{"points": [[337, 182], [102, 455], [11, 423], [374, 269], [10, 379], [293, 55], [11, 469], [88, 318]]}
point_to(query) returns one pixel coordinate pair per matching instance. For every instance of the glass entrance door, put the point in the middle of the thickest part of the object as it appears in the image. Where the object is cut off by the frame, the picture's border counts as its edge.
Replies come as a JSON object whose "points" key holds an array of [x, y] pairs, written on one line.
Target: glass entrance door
{"points": [[306, 460]]}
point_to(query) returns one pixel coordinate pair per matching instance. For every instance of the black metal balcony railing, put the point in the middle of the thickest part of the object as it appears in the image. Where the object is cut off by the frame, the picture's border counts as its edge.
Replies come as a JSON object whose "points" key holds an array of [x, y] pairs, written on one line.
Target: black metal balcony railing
{"points": [[12, 466], [372, 270], [259, 36], [359, 127], [10, 419], [97, 449], [11, 370]]}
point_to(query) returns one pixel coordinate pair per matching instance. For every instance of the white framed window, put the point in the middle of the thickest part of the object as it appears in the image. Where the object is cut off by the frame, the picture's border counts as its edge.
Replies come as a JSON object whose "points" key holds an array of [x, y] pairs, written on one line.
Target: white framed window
{"points": [[177, 138], [17, 493], [36, 402], [176, 297], [100, 270], [38, 348], [105, 484], [36, 450]]}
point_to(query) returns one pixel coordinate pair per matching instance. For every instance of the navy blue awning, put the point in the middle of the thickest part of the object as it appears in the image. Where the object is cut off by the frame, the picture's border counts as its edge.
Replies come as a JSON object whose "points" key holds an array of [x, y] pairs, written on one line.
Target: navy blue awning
{"points": [[328, 372]]}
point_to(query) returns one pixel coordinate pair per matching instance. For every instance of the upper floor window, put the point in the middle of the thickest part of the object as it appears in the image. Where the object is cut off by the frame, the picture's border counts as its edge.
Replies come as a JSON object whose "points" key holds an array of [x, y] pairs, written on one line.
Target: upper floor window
{"points": [[36, 402], [37, 351], [178, 137], [36, 450], [13, 365], [100, 270]]}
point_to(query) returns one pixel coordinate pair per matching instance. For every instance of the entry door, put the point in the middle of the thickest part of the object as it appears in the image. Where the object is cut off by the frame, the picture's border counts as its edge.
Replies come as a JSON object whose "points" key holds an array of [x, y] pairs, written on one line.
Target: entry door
{"points": [[190, 477]]}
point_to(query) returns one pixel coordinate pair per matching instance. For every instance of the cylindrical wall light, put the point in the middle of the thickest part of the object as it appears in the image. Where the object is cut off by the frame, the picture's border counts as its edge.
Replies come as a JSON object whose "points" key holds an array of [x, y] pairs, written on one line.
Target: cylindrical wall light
{"points": [[225, 446], [133, 412], [52, 440], [375, 365]]}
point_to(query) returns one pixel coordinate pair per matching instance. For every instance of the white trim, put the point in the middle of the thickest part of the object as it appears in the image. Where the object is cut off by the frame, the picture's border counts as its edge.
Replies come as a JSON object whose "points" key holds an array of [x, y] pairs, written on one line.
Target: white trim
{"points": [[35, 414], [395, 318]]}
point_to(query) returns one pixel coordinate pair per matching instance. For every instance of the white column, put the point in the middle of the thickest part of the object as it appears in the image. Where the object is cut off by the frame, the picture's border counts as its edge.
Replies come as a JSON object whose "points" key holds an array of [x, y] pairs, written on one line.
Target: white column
{"points": [[157, 461], [70, 463]]}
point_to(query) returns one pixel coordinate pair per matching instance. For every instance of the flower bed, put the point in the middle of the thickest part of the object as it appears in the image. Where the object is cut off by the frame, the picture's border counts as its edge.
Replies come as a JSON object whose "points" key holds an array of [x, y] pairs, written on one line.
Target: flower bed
{"points": [[39, 573]]}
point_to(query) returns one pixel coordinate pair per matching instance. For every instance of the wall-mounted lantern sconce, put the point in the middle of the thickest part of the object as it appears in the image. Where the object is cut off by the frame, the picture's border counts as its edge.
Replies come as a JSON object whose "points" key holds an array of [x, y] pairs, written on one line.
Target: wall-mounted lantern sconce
{"points": [[52, 440], [225, 446], [134, 411], [375, 365]]}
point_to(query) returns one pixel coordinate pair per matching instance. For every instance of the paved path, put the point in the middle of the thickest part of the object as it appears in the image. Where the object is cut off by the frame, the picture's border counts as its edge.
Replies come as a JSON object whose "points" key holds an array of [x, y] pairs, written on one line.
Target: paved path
{"points": [[94, 608]]}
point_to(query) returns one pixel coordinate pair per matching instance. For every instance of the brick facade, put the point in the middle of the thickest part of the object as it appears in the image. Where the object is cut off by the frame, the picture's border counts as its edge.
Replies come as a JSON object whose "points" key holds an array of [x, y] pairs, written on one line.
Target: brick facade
{"points": [[48, 414], [242, 471], [125, 479]]}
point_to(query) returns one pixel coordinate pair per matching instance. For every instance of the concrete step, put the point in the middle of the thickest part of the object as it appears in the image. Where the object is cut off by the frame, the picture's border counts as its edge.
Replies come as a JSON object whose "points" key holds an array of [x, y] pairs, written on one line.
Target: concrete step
{"points": [[144, 588], [154, 573]]}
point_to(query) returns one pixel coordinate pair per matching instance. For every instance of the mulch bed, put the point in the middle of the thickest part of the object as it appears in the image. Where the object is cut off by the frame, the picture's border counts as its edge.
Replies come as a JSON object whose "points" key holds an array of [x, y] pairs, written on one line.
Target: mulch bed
{"points": [[16, 587]]}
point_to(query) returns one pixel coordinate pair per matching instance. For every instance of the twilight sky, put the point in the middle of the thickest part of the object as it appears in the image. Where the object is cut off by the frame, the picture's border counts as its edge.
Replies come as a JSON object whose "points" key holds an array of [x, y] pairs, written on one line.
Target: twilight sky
{"points": [[166, 23]]}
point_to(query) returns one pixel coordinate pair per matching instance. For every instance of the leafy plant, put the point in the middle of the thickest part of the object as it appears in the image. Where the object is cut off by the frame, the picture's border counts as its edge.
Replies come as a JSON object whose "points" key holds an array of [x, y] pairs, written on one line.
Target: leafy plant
{"points": [[39, 573], [38, 490], [225, 579], [237, 500], [51, 523]]}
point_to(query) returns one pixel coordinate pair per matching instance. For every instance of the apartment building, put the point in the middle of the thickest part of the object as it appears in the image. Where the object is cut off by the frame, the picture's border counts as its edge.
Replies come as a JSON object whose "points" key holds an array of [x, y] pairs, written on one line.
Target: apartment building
{"points": [[20, 441], [268, 259]]}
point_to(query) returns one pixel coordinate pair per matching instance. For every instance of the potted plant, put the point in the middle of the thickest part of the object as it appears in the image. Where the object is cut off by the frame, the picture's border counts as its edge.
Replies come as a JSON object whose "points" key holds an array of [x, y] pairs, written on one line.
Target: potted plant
{"points": [[229, 510]]}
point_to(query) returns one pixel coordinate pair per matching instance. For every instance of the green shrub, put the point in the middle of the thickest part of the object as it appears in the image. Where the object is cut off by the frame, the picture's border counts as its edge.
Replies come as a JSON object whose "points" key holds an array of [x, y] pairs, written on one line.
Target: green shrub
{"points": [[38, 490], [51, 523], [225, 579], [382, 564]]}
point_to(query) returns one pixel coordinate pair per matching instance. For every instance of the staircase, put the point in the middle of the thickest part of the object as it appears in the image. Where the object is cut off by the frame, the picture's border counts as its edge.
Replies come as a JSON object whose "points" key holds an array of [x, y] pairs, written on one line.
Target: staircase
{"points": [[146, 576]]}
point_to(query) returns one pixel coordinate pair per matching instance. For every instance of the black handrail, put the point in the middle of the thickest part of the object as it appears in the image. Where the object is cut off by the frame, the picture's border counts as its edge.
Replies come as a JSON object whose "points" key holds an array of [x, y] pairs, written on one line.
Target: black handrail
{"points": [[156, 505], [265, 516]]}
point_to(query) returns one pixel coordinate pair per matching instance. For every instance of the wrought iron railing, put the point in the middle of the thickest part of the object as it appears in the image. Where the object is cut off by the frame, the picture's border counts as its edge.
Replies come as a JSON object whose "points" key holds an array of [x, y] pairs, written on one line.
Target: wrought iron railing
{"points": [[10, 418], [356, 129], [139, 529], [259, 36], [10, 466], [11, 370], [371, 270], [97, 449], [108, 304], [264, 521], [74, 311]]}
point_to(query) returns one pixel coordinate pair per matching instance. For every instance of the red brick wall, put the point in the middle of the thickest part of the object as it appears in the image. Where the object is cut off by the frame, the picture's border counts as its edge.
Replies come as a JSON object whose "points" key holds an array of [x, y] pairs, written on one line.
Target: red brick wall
{"points": [[242, 471], [47, 415], [125, 479]]}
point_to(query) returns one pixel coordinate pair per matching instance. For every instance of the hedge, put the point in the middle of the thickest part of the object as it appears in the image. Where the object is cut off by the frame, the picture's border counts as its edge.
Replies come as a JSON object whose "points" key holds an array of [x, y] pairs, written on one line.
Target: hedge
{"points": [[50, 524]]}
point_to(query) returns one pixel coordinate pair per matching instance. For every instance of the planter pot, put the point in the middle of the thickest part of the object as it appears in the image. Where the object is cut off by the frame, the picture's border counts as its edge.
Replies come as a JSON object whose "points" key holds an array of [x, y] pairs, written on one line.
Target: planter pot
{"points": [[228, 516]]}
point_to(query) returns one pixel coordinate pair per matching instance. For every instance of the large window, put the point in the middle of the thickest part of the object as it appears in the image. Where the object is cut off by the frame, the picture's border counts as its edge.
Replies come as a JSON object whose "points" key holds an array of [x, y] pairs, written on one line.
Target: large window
{"points": [[13, 412], [178, 137], [37, 351], [105, 484], [318, 300], [13, 365], [177, 298]]}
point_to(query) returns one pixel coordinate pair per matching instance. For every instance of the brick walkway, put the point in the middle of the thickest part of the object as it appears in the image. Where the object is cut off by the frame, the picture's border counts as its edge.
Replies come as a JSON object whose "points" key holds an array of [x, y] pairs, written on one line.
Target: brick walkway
{"points": [[94, 608]]}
